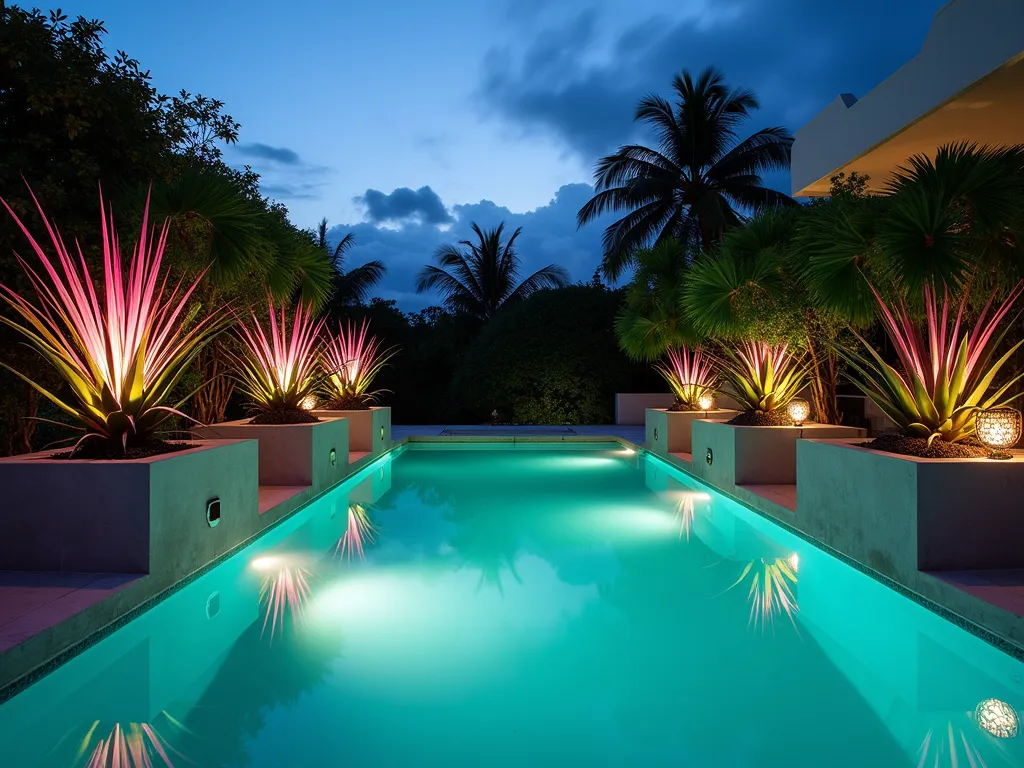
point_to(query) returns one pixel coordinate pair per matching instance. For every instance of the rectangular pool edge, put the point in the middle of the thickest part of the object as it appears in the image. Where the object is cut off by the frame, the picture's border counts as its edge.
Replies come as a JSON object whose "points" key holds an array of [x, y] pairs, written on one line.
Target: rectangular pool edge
{"points": [[785, 518]]}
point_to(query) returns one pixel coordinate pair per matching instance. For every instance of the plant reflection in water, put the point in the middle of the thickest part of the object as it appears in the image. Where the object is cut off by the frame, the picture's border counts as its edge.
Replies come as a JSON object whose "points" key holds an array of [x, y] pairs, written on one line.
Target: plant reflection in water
{"points": [[130, 745], [771, 591], [359, 533], [282, 594]]}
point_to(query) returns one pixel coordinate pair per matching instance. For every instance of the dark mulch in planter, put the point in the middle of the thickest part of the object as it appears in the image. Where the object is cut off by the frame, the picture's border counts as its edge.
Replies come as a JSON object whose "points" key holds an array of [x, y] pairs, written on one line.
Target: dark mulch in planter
{"points": [[285, 416], [676, 407], [101, 450], [777, 418], [351, 404], [918, 446]]}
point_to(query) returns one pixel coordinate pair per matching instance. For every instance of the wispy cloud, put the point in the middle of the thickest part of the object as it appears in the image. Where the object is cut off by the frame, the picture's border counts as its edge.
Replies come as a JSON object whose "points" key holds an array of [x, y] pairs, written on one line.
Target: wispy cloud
{"points": [[281, 155]]}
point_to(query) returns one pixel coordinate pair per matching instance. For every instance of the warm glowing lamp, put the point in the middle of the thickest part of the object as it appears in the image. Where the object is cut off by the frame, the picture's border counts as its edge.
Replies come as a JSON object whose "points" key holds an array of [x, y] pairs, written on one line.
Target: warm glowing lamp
{"points": [[794, 562], [706, 402], [799, 410], [997, 717], [308, 403], [998, 429]]}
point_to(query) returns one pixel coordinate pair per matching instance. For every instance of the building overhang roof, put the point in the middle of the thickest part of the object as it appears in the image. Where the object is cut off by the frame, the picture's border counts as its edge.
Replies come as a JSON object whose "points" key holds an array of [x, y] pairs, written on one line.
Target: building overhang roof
{"points": [[966, 84]]}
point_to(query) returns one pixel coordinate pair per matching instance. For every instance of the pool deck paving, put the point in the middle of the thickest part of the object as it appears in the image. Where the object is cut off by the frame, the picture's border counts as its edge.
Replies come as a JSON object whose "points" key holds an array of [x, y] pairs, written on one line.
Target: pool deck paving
{"points": [[49, 613]]}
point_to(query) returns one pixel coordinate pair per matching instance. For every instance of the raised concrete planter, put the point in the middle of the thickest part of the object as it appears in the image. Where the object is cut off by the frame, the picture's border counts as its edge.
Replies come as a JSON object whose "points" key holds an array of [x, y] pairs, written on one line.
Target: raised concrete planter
{"points": [[670, 431], [753, 455], [141, 516], [314, 455], [900, 514], [369, 431], [630, 406]]}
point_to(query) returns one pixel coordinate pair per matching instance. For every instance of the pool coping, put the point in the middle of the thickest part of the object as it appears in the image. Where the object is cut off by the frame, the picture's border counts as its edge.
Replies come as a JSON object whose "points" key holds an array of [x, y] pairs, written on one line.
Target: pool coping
{"points": [[33, 675]]}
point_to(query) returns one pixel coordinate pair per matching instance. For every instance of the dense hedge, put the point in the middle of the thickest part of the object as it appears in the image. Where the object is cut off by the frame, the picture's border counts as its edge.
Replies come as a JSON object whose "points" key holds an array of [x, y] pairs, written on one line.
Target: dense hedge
{"points": [[551, 359]]}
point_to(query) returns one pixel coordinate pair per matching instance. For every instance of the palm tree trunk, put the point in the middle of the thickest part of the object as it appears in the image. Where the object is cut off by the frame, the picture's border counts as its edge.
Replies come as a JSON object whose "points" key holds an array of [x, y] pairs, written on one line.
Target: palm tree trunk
{"points": [[824, 373], [211, 402]]}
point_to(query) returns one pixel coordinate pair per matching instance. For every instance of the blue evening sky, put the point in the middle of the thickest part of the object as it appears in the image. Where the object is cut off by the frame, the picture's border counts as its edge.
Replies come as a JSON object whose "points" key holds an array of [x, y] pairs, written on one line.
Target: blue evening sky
{"points": [[404, 121]]}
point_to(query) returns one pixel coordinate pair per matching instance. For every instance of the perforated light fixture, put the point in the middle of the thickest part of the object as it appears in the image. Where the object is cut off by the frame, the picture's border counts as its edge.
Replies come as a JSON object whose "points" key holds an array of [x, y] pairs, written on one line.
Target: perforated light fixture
{"points": [[799, 410], [998, 429], [308, 403], [706, 402], [998, 718]]}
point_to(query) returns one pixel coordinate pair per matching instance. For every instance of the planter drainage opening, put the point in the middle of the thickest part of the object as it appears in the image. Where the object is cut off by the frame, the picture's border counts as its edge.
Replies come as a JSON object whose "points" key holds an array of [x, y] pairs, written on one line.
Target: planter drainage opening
{"points": [[382, 434], [709, 457], [213, 512], [334, 457]]}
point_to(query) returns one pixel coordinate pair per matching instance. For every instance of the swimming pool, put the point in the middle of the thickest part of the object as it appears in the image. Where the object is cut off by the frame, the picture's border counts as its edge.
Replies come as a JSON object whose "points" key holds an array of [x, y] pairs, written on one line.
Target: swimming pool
{"points": [[492, 605]]}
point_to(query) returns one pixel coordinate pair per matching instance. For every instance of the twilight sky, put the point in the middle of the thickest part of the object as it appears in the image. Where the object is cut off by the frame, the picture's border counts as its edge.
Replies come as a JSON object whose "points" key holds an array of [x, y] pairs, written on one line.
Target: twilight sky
{"points": [[405, 120]]}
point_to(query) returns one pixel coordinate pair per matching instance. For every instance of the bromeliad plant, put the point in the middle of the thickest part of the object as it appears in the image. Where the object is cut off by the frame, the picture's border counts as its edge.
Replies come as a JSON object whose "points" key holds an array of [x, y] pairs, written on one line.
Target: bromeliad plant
{"points": [[121, 346], [353, 361], [763, 378], [280, 370], [690, 375], [946, 373]]}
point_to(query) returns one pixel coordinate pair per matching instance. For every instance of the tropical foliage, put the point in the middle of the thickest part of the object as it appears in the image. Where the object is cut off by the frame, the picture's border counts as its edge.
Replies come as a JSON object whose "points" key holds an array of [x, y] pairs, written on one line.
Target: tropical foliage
{"points": [[484, 277], [761, 377], [119, 347], [690, 374], [698, 182], [652, 320], [350, 286], [280, 369], [353, 361], [946, 373]]}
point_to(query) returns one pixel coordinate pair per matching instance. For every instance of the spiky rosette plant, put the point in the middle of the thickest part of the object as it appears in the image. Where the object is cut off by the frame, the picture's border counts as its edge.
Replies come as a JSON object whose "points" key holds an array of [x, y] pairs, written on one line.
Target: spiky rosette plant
{"points": [[763, 379], [690, 375], [353, 360], [120, 346], [945, 374], [280, 370]]}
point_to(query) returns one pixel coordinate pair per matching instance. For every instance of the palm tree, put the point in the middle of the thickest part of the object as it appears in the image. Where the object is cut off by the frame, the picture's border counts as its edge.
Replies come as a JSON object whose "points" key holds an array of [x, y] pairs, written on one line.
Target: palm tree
{"points": [[698, 183], [353, 285], [483, 278]]}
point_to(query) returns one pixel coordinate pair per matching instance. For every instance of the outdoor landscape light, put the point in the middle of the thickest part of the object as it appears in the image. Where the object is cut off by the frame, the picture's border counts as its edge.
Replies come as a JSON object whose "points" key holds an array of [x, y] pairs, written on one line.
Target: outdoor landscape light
{"points": [[706, 402], [308, 403], [998, 429], [997, 717], [333, 456], [799, 410], [213, 512]]}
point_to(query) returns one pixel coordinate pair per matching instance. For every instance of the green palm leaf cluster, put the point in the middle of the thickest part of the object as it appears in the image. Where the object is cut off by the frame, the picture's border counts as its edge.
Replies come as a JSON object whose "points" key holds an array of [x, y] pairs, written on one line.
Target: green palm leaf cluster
{"points": [[761, 377], [700, 181], [945, 375], [484, 277], [120, 346]]}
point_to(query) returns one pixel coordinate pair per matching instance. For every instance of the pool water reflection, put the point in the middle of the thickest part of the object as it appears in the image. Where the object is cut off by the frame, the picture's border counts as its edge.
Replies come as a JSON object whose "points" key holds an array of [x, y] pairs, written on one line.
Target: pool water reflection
{"points": [[527, 606]]}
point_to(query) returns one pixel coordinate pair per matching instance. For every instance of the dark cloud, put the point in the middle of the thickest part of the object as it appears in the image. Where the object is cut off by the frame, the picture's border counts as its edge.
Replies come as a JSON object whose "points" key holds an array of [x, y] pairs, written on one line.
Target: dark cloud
{"points": [[798, 55], [549, 236], [403, 205], [281, 155]]}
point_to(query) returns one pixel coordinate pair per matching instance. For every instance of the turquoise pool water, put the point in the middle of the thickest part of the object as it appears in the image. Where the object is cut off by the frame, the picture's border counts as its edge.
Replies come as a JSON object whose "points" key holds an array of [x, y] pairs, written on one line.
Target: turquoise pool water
{"points": [[500, 606]]}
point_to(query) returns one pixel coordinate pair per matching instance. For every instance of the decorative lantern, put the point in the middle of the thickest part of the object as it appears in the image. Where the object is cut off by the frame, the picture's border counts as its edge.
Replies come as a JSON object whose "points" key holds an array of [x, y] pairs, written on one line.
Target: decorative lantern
{"points": [[997, 717], [706, 402], [799, 410], [308, 403], [998, 429]]}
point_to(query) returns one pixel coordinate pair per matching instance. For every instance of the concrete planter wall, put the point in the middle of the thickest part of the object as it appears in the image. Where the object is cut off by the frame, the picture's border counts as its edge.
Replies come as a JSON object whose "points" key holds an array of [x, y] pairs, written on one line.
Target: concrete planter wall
{"points": [[900, 514], [754, 455], [670, 431], [369, 431], [313, 455], [630, 406], [141, 516]]}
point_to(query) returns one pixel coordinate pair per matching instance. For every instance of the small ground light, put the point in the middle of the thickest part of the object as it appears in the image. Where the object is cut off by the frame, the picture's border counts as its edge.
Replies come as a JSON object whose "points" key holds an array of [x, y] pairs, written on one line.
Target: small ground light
{"points": [[998, 429], [308, 403], [998, 718], [799, 410], [706, 402]]}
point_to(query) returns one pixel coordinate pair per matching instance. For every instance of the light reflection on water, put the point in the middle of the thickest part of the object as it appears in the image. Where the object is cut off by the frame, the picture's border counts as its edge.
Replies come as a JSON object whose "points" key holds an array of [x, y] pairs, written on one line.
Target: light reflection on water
{"points": [[512, 607]]}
